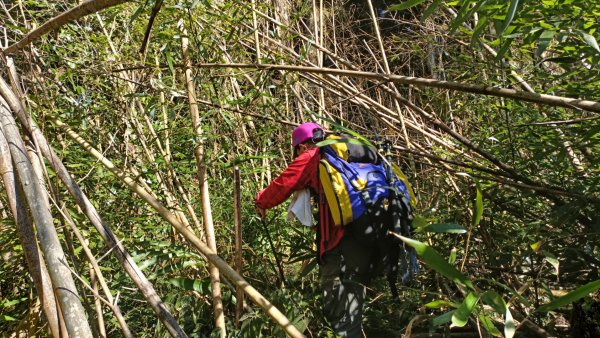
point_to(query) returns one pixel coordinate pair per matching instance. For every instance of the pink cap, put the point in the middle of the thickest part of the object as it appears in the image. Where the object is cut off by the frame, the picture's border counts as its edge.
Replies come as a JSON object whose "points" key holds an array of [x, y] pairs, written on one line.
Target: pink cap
{"points": [[304, 132]]}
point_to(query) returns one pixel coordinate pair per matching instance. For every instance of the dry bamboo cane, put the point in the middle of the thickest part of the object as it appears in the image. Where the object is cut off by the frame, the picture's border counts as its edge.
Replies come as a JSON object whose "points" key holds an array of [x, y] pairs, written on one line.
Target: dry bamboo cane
{"points": [[62, 281], [26, 234], [388, 71], [191, 238], [62, 19], [98, 277], [116, 247], [97, 303], [237, 225], [552, 100], [203, 182]]}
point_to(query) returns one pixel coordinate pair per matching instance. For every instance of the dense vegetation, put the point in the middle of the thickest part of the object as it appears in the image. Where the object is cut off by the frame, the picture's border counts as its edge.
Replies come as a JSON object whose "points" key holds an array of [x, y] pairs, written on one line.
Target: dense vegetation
{"points": [[152, 105]]}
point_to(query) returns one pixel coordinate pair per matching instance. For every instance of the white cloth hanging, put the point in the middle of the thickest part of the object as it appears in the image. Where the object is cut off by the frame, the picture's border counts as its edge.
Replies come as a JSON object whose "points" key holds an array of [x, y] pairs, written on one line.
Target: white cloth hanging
{"points": [[300, 208]]}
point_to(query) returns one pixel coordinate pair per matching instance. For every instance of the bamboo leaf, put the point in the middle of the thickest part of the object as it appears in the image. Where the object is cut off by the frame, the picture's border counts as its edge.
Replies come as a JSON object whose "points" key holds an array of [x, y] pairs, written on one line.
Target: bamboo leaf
{"points": [[509, 325], [590, 40], [190, 284], [443, 228], [442, 319], [494, 300], [405, 5], [571, 296], [434, 5], [436, 304], [544, 42], [462, 314], [478, 204], [510, 15], [435, 261]]}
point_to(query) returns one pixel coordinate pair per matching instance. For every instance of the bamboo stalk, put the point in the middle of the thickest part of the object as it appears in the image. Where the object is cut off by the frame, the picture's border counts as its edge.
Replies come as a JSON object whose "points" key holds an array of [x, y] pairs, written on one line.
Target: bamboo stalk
{"points": [[388, 71], [191, 238], [97, 304], [203, 182], [85, 8], [98, 277], [62, 281], [237, 225], [26, 234], [552, 100], [110, 239]]}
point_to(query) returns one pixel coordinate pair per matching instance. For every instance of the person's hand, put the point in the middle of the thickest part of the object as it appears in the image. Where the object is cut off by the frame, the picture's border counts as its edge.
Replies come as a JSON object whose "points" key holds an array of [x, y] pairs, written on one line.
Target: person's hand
{"points": [[262, 213]]}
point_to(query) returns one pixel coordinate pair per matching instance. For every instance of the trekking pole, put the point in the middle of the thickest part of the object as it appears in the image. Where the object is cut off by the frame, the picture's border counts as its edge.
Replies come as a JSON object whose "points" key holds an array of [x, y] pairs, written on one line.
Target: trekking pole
{"points": [[279, 267]]}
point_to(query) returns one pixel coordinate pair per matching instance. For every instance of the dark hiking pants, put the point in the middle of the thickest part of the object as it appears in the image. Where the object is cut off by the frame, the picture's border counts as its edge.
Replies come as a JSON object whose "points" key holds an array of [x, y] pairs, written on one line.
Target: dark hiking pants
{"points": [[344, 274]]}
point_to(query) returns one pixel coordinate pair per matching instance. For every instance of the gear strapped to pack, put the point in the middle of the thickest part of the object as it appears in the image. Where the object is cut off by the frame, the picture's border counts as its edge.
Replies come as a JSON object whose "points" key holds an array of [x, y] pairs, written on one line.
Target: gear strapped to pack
{"points": [[370, 197]]}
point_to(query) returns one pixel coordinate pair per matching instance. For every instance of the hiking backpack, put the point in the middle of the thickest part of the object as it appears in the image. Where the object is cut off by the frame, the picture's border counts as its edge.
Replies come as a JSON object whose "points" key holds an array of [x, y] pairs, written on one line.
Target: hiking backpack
{"points": [[370, 197]]}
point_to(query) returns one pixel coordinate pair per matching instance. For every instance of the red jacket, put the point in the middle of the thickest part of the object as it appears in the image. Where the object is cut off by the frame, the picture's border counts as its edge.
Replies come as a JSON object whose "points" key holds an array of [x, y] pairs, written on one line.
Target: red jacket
{"points": [[302, 173]]}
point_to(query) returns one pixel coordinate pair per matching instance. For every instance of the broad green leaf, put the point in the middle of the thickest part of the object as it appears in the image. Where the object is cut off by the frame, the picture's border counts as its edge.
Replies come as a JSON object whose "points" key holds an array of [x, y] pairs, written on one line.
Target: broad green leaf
{"points": [[478, 29], [571, 296], [405, 5], [452, 257], [419, 222], [462, 314], [435, 261], [536, 246], [478, 204], [503, 48], [7, 318], [461, 16], [590, 40], [442, 319], [436, 304], [494, 300], [446, 228], [434, 5], [509, 325], [488, 324], [510, 15], [544, 41], [190, 284], [550, 258]]}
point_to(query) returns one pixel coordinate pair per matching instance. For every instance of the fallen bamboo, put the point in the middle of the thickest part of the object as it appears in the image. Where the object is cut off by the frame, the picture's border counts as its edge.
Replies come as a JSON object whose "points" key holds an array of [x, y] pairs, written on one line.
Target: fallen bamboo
{"points": [[60, 274], [191, 238], [552, 100], [110, 239]]}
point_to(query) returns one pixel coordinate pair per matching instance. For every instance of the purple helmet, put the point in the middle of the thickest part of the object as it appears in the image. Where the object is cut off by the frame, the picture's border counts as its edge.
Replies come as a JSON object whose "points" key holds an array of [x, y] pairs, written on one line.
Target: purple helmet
{"points": [[304, 132]]}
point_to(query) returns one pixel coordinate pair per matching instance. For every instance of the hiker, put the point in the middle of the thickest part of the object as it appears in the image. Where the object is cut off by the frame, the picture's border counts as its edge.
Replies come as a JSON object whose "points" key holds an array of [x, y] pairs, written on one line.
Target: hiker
{"points": [[343, 260]]}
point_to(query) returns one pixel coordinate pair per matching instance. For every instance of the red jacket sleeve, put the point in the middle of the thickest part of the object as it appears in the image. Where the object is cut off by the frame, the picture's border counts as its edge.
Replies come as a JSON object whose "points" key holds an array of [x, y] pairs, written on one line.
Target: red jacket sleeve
{"points": [[300, 174]]}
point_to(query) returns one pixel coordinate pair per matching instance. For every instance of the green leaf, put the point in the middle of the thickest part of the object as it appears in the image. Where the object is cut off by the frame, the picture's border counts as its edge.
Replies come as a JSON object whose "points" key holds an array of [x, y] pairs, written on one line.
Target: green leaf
{"points": [[571, 296], [543, 42], [590, 40], [509, 325], [434, 5], [442, 319], [190, 284], [435, 261], [462, 15], [462, 314], [494, 300], [478, 204], [503, 48], [452, 257], [445, 228], [436, 304], [488, 324], [478, 29], [405, 5], [510, 15]]}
